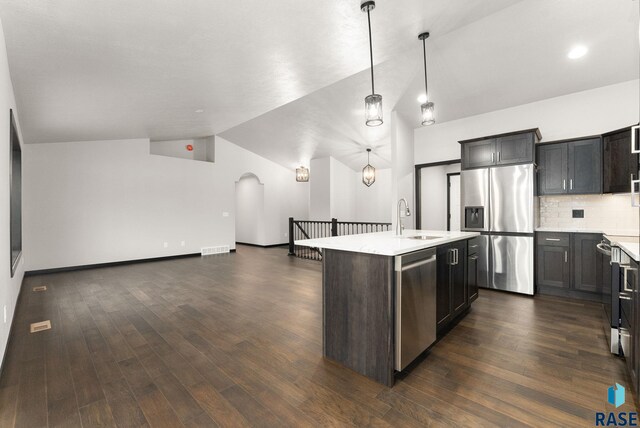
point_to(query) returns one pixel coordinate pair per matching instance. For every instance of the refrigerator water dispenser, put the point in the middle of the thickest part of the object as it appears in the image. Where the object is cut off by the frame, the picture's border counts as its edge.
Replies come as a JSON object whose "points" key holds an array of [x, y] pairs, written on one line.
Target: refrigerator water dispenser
{"points": [[474, 217]]}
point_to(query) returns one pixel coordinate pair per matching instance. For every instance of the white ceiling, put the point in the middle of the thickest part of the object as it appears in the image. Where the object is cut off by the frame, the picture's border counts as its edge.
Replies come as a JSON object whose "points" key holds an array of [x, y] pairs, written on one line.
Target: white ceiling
{"points": [[286, 78]]}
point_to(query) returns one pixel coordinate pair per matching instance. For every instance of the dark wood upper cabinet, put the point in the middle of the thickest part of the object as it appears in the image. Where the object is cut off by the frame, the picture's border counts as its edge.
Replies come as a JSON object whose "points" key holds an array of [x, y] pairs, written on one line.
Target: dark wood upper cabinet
{"points": [[552, 169], [504, 149], [517, 148], [570, 167], [619, 164], [585, 166], [479, 154]]}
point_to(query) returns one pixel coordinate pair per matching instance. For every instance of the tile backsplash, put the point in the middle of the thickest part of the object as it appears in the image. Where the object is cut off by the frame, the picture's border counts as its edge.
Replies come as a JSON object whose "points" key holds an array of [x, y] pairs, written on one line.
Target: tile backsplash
{"points": [[612, 214]]}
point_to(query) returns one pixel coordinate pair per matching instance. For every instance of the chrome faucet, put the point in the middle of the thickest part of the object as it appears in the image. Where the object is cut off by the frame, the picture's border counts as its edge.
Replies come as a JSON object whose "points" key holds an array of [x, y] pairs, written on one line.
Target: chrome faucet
{"points": [[407, 213]]}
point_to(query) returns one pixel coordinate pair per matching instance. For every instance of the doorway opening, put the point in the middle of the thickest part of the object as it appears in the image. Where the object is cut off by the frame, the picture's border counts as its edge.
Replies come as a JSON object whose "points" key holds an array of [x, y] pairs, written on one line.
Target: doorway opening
{"points": [[453, 201], [438, 195], [250, 210]]}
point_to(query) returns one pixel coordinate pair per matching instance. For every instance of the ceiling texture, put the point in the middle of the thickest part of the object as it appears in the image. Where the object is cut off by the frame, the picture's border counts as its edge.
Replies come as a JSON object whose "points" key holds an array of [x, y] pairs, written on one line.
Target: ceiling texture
{"points": [[286, 79]]}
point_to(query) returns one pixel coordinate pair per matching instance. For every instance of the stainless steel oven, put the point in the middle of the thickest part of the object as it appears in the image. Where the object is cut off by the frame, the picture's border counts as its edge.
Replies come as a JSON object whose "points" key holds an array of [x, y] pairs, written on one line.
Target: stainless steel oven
{"points": [[610, 296]]}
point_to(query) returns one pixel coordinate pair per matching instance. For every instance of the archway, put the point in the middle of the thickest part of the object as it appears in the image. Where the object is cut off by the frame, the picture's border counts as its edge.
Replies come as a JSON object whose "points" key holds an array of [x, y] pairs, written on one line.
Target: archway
{"points": [[250, 210]]}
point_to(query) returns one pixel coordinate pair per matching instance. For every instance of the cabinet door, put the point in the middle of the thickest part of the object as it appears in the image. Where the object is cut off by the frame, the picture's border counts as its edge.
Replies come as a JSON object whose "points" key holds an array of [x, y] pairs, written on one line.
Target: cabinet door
{"points": [[459, 300], [553, 266], [618, 162], [472, 278], [587, 262], [444, 255], [514, 149], [478, 153], [585, 166], [552, 169]]}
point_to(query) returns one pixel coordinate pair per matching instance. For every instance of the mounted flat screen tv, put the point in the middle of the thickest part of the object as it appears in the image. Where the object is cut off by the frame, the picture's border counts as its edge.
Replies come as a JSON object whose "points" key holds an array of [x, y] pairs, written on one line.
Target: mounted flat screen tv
{"points": [[15, 197]]}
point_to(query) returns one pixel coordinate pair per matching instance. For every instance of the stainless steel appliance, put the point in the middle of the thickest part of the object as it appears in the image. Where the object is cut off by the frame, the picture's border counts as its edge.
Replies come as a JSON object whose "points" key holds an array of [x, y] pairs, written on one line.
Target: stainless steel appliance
{"points": [[499, 202], [415, 323], [610, 296]]}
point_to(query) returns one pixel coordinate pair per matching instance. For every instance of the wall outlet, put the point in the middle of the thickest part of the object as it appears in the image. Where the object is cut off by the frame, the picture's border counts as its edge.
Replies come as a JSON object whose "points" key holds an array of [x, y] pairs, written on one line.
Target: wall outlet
{"points": [[182, 243], [166, 245], [225, 214]]}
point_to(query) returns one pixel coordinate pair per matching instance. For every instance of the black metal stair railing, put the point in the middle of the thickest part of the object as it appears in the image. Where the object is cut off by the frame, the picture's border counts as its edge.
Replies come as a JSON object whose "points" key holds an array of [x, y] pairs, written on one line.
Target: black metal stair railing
{"points": [[311, 229]]}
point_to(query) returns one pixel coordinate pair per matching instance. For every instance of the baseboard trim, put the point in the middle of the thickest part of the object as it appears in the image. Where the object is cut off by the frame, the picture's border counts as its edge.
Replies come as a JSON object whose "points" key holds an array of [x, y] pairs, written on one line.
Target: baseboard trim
{"points": [[13, 318], [286, 244], [108, 264]]}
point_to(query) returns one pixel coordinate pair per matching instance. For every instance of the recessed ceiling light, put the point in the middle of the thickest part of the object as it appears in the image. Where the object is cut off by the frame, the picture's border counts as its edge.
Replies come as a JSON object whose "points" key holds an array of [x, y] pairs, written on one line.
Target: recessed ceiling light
{"points": [[199, 111], [422, 99], [578, 52]]}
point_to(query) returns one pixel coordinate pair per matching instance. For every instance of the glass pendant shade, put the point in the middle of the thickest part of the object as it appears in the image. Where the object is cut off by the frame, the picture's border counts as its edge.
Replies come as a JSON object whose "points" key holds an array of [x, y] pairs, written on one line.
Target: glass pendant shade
{"points": [[368, 172], [368, 175], [428, 115], [302, 174], [373, 110]]}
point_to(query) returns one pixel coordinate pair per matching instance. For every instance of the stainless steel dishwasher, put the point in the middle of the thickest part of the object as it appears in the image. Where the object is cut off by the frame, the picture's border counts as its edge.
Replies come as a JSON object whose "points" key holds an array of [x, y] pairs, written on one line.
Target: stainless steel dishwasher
{"points": [[415, 305]]}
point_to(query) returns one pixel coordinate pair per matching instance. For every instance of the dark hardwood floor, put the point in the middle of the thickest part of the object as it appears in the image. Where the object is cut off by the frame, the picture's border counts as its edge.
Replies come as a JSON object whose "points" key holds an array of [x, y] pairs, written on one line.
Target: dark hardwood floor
{"points": [[235, 340]]}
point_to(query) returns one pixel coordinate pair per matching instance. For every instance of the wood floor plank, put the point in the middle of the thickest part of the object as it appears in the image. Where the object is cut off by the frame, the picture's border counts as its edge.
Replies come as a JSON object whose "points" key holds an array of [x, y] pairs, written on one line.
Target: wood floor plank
{"points": [[32, 396], [235, 340]]}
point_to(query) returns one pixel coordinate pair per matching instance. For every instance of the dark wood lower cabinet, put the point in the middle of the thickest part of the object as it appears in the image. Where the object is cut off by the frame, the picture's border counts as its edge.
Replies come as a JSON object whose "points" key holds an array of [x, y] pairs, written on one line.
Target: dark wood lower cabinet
{"points": [[587, 262], [472, 277], [553, 266], [451, 290], [568, 264]]}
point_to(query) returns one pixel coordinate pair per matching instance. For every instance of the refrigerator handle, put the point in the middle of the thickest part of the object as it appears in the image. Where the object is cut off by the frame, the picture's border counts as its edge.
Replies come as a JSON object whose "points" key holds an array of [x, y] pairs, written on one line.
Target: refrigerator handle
{"points": [[634, 133], [492, 157], [564, 184], [634, 194]]}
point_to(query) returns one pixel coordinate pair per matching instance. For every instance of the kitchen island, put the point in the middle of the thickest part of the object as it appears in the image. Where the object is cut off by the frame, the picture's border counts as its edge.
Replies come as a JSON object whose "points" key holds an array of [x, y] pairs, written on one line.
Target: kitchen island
{"points": [[387, 297]]}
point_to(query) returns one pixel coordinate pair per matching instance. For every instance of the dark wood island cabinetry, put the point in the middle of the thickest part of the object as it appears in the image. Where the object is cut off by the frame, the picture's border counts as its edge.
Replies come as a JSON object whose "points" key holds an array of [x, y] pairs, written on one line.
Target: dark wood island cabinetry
{"points": [[362, 295]]}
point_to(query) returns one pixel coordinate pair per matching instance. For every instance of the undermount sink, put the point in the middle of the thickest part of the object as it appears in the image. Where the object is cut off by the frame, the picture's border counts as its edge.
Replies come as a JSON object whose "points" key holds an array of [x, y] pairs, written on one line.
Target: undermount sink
{"points": [[423, 237]]}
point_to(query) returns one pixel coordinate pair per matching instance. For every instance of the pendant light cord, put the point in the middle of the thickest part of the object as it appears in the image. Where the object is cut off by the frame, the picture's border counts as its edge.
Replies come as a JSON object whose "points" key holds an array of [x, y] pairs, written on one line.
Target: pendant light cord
{"points": [[373, 90], [426, 90]]}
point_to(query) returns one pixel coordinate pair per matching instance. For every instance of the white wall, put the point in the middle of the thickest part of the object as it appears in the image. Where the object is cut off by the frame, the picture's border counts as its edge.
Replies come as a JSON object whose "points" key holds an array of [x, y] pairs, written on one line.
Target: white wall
{"points": [[402, 168], [343, 192], [433, 196], [250, 228], [10, 286], [320, 189], [580, 114], [372, 203], [337, 191], [203, 149], [106, 201]]}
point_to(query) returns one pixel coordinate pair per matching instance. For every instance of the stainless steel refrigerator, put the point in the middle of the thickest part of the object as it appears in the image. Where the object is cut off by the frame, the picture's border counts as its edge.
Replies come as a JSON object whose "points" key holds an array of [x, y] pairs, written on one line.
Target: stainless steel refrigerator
{"points": [[500, 203]]}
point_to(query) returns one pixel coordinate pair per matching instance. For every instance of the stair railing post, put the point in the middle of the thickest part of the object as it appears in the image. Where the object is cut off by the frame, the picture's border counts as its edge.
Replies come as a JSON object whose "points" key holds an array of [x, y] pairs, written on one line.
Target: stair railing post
{"points": [[292, 251]]}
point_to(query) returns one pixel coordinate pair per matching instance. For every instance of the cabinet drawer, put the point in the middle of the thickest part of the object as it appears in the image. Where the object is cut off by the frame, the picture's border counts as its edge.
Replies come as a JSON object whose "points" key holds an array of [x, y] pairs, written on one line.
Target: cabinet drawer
{"points": [[553, 239], [474, 245]]}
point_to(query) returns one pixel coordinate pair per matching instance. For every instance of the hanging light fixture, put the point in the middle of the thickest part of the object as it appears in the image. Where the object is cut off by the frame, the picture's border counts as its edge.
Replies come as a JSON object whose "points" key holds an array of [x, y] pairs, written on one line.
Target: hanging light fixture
{"points": [[368, 172], [302, 174], [428, 116], [373, 102]]}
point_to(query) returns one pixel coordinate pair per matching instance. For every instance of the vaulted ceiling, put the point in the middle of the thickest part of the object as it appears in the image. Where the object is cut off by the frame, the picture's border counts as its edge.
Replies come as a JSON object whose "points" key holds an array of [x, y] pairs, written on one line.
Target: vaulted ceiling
{"points": [[287, 78]]}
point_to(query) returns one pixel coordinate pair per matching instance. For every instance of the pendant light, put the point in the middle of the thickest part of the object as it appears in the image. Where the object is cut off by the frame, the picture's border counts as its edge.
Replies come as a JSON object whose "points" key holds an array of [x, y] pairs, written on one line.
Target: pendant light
{"points": [[373, 102], [302, 174], [428, 116], [368, 172]]}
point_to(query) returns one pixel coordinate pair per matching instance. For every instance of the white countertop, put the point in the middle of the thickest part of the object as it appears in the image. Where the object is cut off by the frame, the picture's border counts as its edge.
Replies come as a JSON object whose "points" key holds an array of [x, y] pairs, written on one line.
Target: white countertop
{"points": [[386, 243], [608, 232], [631, 248]]}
